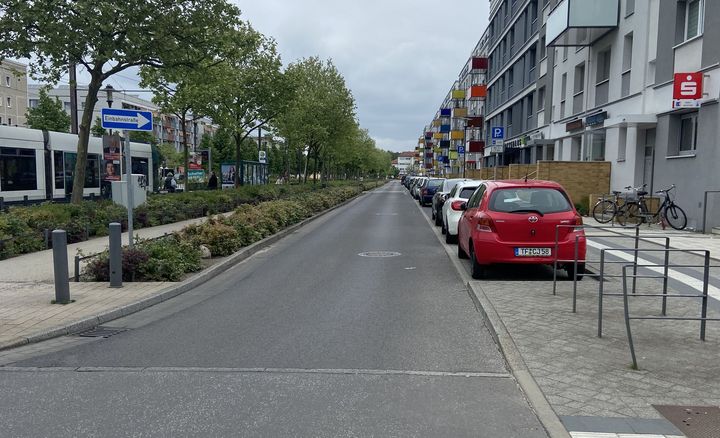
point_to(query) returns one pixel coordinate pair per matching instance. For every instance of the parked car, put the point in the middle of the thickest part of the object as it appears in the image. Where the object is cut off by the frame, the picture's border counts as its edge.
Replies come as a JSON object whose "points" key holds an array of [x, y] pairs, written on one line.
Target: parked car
{"points": [[419, 183], [439, 198], [451, 210], [515, 221], [428, 190]]}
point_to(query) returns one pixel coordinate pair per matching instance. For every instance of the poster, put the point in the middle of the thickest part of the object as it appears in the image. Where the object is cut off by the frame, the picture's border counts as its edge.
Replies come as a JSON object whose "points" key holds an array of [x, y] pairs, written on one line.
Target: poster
{"points": [[112, 157], [195, 162], [228, 175], [196, 175]]}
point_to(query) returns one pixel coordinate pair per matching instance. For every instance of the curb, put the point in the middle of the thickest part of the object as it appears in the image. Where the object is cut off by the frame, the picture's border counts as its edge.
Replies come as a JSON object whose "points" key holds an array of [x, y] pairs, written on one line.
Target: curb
{"points": [[515, 362], [174, 290]]}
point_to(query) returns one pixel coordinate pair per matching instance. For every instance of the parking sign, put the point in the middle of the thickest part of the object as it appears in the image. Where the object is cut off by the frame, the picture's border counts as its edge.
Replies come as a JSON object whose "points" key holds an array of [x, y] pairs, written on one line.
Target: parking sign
{"points": [[498, 133], [461, 150]]}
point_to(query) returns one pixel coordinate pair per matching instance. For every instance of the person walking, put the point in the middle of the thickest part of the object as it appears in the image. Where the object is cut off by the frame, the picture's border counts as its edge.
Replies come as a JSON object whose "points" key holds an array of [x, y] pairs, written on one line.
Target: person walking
{"points": [[170, 184], [213, 182]]}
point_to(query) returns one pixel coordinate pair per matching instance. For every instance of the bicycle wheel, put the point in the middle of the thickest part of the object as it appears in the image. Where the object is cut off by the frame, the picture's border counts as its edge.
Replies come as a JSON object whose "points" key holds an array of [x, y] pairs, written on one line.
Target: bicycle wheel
{"points": [[675, 217], [629, 214], [604, 211]]}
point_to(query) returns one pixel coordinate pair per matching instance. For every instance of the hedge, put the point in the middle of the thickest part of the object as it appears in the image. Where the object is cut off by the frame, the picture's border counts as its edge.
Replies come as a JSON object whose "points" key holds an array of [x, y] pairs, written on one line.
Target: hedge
{"points": [[22, 228], [170, 258]]}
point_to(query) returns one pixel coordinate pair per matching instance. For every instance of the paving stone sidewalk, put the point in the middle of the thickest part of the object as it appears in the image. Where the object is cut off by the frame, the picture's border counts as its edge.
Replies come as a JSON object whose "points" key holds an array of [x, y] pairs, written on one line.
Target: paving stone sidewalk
{"points": [[583, 375], [26, 311]]}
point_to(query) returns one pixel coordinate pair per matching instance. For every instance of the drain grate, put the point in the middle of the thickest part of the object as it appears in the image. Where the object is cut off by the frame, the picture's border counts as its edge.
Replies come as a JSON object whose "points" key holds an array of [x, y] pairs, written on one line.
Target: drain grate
{"points": [[693, 421], [101, 332], [379, 254]]}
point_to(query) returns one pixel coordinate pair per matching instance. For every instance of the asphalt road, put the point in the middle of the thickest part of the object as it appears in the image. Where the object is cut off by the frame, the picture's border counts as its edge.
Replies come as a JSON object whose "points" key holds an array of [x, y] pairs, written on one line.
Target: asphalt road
{"points": [[307, 338]]}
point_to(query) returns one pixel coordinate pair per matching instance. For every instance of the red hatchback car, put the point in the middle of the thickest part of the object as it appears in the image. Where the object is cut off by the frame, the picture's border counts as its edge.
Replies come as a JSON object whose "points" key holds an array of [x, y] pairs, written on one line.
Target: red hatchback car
{"points": [[515, 221]]}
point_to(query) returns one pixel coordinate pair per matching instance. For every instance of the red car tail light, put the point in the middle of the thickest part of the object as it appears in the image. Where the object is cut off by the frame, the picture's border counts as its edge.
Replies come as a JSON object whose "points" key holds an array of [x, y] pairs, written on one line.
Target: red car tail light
{"points": [[456, 205], [578, 223], [485, 225], [424, 192]]}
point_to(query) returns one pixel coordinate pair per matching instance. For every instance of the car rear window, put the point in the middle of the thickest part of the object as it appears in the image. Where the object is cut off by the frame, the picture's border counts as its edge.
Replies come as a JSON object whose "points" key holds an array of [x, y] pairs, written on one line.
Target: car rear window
{"points": [[449, 184], [529, 199], [466, 192], [435, 183]]}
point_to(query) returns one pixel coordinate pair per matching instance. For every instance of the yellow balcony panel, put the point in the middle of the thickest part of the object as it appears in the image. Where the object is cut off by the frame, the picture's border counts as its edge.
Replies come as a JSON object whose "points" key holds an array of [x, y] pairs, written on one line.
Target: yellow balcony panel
{"points": [[457, 135], [438, 135], [437, 123], [458, 94], [460, 112], [453, 155]]}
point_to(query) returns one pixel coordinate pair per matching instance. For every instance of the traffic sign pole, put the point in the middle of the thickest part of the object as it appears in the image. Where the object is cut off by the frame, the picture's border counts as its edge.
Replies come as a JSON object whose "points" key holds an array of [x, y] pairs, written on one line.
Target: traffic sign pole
{"points": [[130, 194]]}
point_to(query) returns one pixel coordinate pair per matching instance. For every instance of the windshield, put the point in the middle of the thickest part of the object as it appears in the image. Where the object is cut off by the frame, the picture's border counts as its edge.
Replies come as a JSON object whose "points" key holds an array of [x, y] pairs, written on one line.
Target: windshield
{"points": [[529, 199]]}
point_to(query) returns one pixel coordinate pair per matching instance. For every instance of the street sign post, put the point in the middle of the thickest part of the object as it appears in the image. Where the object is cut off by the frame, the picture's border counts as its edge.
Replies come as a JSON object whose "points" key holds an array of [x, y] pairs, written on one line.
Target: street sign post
{"points": [[128, 120], [461, 150]]}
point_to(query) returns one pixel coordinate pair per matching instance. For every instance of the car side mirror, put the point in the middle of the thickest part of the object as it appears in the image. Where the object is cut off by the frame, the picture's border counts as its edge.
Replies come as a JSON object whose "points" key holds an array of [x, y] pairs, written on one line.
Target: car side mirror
{"points": [[463, 206]]}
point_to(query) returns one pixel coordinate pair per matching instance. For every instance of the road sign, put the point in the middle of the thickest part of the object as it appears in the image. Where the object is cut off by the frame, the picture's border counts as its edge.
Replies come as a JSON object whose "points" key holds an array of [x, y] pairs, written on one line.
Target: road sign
{"points": [[128, 120], [262, 156], [461, 150], [498, 133]]}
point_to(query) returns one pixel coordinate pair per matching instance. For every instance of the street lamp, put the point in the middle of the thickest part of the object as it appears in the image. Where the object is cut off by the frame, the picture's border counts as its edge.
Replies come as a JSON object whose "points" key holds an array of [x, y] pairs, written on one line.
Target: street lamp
{"points": [[109, 91]]}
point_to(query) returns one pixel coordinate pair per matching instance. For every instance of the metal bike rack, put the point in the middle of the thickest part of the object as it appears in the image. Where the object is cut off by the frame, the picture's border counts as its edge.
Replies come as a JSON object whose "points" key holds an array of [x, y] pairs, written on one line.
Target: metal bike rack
{"points": [[703, 311]]}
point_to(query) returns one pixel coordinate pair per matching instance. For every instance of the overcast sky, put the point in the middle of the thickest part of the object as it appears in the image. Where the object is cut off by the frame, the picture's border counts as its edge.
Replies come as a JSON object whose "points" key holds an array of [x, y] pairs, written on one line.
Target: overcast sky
{"points": [[399, 57]]}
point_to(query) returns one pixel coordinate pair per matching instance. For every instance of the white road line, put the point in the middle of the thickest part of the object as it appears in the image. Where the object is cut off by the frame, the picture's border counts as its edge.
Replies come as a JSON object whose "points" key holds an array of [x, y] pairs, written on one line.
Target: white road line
{"points": [[618, 435], [675, 275]]}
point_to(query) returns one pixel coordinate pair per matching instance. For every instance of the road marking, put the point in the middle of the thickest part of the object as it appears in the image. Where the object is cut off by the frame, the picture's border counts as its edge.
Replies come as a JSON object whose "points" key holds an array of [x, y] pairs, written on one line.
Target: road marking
{"points": [[618, 435], [410, 268], [675, 275], [343, 371]]}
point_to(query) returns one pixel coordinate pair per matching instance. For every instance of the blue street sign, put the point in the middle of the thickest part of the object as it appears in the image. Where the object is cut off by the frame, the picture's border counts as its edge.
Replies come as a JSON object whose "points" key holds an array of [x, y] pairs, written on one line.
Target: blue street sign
{"points": [[128, 120], [461, 149], [498, 133]]}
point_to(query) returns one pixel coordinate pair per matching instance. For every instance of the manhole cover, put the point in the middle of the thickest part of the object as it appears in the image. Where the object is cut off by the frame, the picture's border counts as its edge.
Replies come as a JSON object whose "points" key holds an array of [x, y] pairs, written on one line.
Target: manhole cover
{"points": [[693, 421], [101, 332], [379, 254]]}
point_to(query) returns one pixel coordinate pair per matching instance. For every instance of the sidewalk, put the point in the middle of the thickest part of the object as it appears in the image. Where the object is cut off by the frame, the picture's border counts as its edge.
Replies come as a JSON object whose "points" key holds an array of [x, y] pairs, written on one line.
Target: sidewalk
{"points": [[26, 289]]}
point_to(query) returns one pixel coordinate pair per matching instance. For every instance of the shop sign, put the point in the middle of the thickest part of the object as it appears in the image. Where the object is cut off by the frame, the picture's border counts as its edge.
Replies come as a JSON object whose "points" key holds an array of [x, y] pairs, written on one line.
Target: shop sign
{"points": [[574, 125], [687, 90], [596, 119]]}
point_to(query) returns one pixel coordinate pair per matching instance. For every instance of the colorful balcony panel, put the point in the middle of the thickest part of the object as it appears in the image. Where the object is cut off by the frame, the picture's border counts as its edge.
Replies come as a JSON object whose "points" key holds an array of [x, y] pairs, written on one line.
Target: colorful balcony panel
{"points": [[457, 135], [444, 129], [478, 92], [460, 112], [479, 64], [458, 94], [476, 146], [438, 136], [444, 144], [445, 112], [475, 122], [436, 123]]}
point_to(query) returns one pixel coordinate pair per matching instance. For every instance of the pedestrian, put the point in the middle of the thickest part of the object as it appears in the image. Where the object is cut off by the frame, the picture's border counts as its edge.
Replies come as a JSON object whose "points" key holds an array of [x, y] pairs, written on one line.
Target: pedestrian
{"points": [[170, 184], [213, 182]]}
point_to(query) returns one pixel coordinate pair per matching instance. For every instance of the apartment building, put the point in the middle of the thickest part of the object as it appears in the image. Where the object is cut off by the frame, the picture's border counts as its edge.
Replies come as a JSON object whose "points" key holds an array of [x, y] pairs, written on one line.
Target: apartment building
{"points": [[13, 93], [406, 162], [167, 128]]}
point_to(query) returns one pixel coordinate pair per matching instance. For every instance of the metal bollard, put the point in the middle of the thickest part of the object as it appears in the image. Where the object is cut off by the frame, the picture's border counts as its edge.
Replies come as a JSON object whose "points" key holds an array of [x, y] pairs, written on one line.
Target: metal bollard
{"points": [[2, 203], [25, 200], [116, 274], [60, 266]]}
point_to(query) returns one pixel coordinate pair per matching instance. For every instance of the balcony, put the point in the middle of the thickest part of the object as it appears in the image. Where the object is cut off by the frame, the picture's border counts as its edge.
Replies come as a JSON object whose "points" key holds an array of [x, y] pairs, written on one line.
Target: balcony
{"points": [[478, 92], [444, 129], [436, 123], [460, 112], [458, 94], [438, 136], [476, 146], [457, 135], [445, 112], [581, 22], [478, 65], [475, 122]]}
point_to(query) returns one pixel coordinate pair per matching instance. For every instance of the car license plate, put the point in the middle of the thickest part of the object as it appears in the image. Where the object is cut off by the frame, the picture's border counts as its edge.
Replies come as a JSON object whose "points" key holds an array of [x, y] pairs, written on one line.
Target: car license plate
{"points": [[533, 252]]}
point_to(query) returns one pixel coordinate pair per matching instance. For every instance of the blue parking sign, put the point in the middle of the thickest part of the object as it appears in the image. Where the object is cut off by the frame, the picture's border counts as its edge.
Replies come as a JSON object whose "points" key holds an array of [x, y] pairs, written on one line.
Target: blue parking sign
{"points": [[461, 149], [498, 133]]}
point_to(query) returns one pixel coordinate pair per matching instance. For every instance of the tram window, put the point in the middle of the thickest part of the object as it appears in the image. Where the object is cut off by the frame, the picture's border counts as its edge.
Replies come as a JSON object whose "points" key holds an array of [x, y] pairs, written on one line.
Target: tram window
{"points": [[59, 170], [18, 169], [92, 170]]}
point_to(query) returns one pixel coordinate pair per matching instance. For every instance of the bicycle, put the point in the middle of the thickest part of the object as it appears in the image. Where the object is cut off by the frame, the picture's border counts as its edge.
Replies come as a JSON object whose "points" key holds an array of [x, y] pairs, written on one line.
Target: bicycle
{"points": [[637, 212], [605, 209]]}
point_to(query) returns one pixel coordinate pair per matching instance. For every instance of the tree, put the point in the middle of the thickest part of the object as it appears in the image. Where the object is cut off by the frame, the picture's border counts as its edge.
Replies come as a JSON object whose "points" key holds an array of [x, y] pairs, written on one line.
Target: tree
{"points": [[321, 115], [49, 114], [107, 37], [97, 130], [249, 88]]}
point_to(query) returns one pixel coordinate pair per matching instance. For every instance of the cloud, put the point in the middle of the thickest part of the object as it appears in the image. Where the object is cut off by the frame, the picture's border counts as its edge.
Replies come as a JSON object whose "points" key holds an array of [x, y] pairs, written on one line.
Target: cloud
{"points": [[399, 57]]}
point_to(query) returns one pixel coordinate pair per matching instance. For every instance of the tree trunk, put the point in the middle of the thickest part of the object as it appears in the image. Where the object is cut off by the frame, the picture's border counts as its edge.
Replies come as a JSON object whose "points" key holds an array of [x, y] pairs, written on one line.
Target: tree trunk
{"points": [[307, 161], [186, 153], [315, 169], [238, 142], [84, 138]]}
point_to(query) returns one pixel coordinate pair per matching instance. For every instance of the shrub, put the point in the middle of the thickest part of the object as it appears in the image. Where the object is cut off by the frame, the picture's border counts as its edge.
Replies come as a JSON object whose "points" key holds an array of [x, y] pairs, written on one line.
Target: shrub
{"points": [[221, 239]]}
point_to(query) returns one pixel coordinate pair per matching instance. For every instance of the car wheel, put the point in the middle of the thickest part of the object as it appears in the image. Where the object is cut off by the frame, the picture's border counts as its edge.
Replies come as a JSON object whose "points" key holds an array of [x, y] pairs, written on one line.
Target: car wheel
{"points": [[478, 271], [432, 216], [570, 267], [461, 253], [443, 230], [449, 238], [438, 220]]}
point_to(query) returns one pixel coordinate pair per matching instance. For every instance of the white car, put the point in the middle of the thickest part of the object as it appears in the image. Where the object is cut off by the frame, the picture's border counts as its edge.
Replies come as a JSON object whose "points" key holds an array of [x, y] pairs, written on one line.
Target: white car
{"points": [[451, 211], [419, 183]]}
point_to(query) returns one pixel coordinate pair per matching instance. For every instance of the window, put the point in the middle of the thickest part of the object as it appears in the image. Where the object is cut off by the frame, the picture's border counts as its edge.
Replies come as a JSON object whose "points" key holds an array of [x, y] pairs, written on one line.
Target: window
{"points": [[476, 197], [688, 133], [466, 192], [541, 99], [7, 81], [595, 150], [92, 170], [627, 64], [530, 102], [622, 145], [9, 121], [693, 18], [59, 169], [9, 102], [565, 53], [579, 78], [520, 200], [629, 7], [603, 66], [18, 169]]}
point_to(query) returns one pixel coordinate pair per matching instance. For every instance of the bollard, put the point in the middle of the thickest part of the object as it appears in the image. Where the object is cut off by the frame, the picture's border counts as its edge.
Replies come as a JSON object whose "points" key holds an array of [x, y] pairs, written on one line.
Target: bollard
{"points": [[60, 266], [25, 200], [115, 255], [2, 203]]}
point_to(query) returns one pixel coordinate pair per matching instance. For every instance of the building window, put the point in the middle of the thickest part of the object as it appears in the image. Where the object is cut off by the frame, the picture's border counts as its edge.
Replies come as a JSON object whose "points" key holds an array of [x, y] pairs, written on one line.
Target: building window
{"points": [[627, 65], [9, 121], [579, 88], [530, 102], [18, 169], [563, 94], [7, 81], [688, 133], [565, 53], [541, 99], [622, 145], [629, 7], [693, 18], [9, 102], [603, 66], [595, 150]]}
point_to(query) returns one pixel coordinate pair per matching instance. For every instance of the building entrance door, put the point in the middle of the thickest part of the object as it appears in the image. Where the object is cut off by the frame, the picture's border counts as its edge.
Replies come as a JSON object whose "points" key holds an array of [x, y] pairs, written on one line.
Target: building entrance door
{"points": [[649, 158]]}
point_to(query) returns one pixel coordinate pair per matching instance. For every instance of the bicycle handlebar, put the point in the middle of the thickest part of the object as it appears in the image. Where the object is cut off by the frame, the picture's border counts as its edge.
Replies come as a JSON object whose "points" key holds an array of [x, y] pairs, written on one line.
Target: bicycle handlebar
{"points": [[672, 186]]}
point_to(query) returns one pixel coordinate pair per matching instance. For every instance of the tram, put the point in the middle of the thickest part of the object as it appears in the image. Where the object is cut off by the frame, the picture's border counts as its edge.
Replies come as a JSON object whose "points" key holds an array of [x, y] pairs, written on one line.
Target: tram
{"points": [[38, 165]]}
